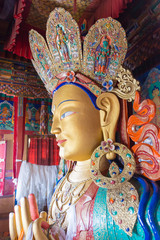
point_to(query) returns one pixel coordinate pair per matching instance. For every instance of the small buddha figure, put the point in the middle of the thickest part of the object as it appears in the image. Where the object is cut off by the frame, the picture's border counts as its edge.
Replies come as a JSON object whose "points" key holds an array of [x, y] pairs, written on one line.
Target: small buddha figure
{"points": [[156, 97], [96, 199], [62, 43], [103, 54]]}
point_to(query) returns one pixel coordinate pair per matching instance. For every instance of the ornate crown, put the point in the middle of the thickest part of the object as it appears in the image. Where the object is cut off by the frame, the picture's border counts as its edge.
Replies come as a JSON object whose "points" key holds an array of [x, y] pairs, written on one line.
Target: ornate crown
{"points": [[99, 70]]}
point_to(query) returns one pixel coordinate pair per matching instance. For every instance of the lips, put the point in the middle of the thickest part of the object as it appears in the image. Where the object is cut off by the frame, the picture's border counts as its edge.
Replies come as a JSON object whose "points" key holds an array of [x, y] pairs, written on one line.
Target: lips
{"points": [[60, 142]]}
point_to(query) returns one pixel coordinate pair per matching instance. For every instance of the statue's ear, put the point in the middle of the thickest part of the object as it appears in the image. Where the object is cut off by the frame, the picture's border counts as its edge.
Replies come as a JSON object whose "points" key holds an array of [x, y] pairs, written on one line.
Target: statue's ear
{"points": [[109, 113]]}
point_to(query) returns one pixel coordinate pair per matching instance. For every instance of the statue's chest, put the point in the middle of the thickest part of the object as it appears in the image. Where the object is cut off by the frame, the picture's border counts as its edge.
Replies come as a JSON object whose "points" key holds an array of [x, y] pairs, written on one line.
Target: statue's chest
{"points": [[66, 195]]}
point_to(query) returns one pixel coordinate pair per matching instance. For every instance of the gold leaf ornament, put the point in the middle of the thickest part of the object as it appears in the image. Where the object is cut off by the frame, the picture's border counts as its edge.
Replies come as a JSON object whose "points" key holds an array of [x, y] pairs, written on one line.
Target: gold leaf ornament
{"points": [[123, 205]]}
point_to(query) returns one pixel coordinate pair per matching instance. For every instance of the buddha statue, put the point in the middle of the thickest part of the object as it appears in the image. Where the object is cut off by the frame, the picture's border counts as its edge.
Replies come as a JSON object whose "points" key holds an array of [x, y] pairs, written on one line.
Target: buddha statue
{"points": [[99, 197]]}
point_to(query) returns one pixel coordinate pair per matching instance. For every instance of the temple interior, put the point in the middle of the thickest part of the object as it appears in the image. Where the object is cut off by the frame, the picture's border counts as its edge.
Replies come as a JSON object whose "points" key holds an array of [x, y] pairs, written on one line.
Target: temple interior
{"points": [[25, 105]]}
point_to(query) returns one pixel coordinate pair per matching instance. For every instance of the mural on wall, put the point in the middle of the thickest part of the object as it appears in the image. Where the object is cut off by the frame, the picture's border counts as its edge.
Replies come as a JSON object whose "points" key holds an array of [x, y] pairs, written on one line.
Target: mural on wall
{"points": [[50, 116], [151, 90], [20, 79], [32, 117], [6, 115]]}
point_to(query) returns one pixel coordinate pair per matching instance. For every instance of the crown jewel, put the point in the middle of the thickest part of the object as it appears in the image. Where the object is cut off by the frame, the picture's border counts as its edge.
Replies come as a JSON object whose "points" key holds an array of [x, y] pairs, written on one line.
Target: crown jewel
{"points": [[99, 70]]}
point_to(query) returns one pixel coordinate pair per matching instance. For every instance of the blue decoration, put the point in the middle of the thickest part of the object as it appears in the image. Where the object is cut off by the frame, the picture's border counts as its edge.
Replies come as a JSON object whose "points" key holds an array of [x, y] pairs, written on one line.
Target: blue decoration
{"points": [[151, 213], [97, 154], [128, 155], [142, 207], [131, 210], [117, 147], [98, 180], [114, 213], [123, 179]]}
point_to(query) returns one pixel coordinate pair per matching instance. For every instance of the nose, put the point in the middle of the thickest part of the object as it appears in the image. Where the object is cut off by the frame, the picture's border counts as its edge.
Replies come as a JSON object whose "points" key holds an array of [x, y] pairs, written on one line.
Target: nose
{"points": [[55, 129]]}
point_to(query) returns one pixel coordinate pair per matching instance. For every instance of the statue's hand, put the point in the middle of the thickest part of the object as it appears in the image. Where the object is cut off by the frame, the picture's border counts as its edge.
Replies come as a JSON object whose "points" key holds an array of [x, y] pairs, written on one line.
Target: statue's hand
{"points": [[27, 217]]}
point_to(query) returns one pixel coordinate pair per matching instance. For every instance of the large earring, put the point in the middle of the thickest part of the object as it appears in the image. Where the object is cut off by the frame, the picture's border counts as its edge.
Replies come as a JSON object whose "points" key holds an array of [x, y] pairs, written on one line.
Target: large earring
{"points": [[122, 197]]}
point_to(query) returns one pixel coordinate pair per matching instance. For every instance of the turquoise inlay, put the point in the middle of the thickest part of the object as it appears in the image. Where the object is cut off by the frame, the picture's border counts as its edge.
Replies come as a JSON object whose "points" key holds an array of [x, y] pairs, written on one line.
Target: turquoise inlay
{"points": [[131, 210], [114, 213], [123, 179], [128, 155], [97, 155], [98, 180], [121, 194]]}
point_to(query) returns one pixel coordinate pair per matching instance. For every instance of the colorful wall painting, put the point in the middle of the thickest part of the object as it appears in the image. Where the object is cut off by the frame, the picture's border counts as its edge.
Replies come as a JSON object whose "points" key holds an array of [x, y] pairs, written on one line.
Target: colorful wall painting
{"points": [[20, 79], [50, 116], [32, 117], [32, 114], [6, 115], [151, 90]]}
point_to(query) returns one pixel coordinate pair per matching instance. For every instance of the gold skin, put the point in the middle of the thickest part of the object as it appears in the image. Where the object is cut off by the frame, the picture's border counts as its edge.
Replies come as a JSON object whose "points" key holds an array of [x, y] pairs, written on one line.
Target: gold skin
{"points": [[79, 129]]}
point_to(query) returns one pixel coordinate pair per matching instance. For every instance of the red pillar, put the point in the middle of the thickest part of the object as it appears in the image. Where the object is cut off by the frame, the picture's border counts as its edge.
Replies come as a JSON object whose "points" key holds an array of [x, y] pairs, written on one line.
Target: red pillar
{"points": [[19, 133]]}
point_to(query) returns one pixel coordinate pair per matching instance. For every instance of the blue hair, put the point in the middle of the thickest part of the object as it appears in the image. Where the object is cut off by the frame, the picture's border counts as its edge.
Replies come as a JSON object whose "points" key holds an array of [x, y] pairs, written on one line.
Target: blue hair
{"points": [[89, 93], [155, 87]]}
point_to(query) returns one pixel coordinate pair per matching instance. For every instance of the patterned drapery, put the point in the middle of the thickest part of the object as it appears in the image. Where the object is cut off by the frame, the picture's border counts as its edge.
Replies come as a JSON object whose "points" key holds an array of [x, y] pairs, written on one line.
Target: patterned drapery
{"points": [[43, 151]]}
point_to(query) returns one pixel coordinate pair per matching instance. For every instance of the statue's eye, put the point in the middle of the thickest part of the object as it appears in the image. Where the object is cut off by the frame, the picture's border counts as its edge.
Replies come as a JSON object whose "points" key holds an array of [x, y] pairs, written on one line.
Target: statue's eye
{"points": [[66, 114]]}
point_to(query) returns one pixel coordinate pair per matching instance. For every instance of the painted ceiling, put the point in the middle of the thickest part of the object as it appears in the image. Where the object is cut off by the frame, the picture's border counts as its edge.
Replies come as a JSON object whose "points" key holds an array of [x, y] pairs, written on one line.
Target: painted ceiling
{"points": [[40, 10]]}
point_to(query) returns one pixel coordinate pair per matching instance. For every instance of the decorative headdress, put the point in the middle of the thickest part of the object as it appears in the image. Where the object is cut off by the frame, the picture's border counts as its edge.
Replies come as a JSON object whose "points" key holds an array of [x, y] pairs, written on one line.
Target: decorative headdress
{"points": [[99, 70]]}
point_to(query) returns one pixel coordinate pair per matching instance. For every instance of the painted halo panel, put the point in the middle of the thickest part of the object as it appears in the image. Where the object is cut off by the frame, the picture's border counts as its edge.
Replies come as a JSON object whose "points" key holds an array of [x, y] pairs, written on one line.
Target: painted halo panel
{"points": [[105, 47], [64, 41]]}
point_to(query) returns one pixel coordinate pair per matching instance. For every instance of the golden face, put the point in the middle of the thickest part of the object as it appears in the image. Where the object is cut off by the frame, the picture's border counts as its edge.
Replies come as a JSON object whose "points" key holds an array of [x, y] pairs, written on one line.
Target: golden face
{"points": [[76, 123]]}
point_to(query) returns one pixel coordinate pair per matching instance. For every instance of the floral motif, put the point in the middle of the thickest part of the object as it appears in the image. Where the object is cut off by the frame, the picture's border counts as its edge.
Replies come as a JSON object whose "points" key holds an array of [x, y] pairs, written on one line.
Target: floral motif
{"points": [[107, 86], [108, 145], [71, 76]]}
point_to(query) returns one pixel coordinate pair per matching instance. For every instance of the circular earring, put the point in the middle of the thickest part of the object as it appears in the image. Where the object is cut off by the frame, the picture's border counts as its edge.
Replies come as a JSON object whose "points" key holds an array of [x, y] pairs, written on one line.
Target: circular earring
{"points": [[122, 197], [117, 179]]}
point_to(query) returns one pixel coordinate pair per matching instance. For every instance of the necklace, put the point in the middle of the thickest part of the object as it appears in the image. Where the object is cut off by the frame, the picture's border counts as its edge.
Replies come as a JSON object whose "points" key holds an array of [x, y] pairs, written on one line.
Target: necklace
{"points": [[67, 194]]}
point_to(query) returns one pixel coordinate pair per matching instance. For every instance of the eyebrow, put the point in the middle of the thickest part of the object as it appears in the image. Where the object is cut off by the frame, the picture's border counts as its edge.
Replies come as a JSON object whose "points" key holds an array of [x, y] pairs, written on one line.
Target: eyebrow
{"points": [[69, 100]]}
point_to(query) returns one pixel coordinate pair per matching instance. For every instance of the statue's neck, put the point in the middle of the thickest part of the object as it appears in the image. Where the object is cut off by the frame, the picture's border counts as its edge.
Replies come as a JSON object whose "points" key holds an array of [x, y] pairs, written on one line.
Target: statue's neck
{"points": [[80, 172]]}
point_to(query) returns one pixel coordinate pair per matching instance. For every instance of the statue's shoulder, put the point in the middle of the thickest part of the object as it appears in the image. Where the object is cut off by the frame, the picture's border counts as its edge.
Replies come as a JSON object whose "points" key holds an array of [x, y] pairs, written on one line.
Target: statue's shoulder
{"points": [[147, 223]]}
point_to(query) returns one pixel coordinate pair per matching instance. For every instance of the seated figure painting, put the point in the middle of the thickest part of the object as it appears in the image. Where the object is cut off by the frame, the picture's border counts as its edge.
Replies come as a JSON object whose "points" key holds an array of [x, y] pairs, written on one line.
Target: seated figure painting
{"points": [[100, 197]]}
